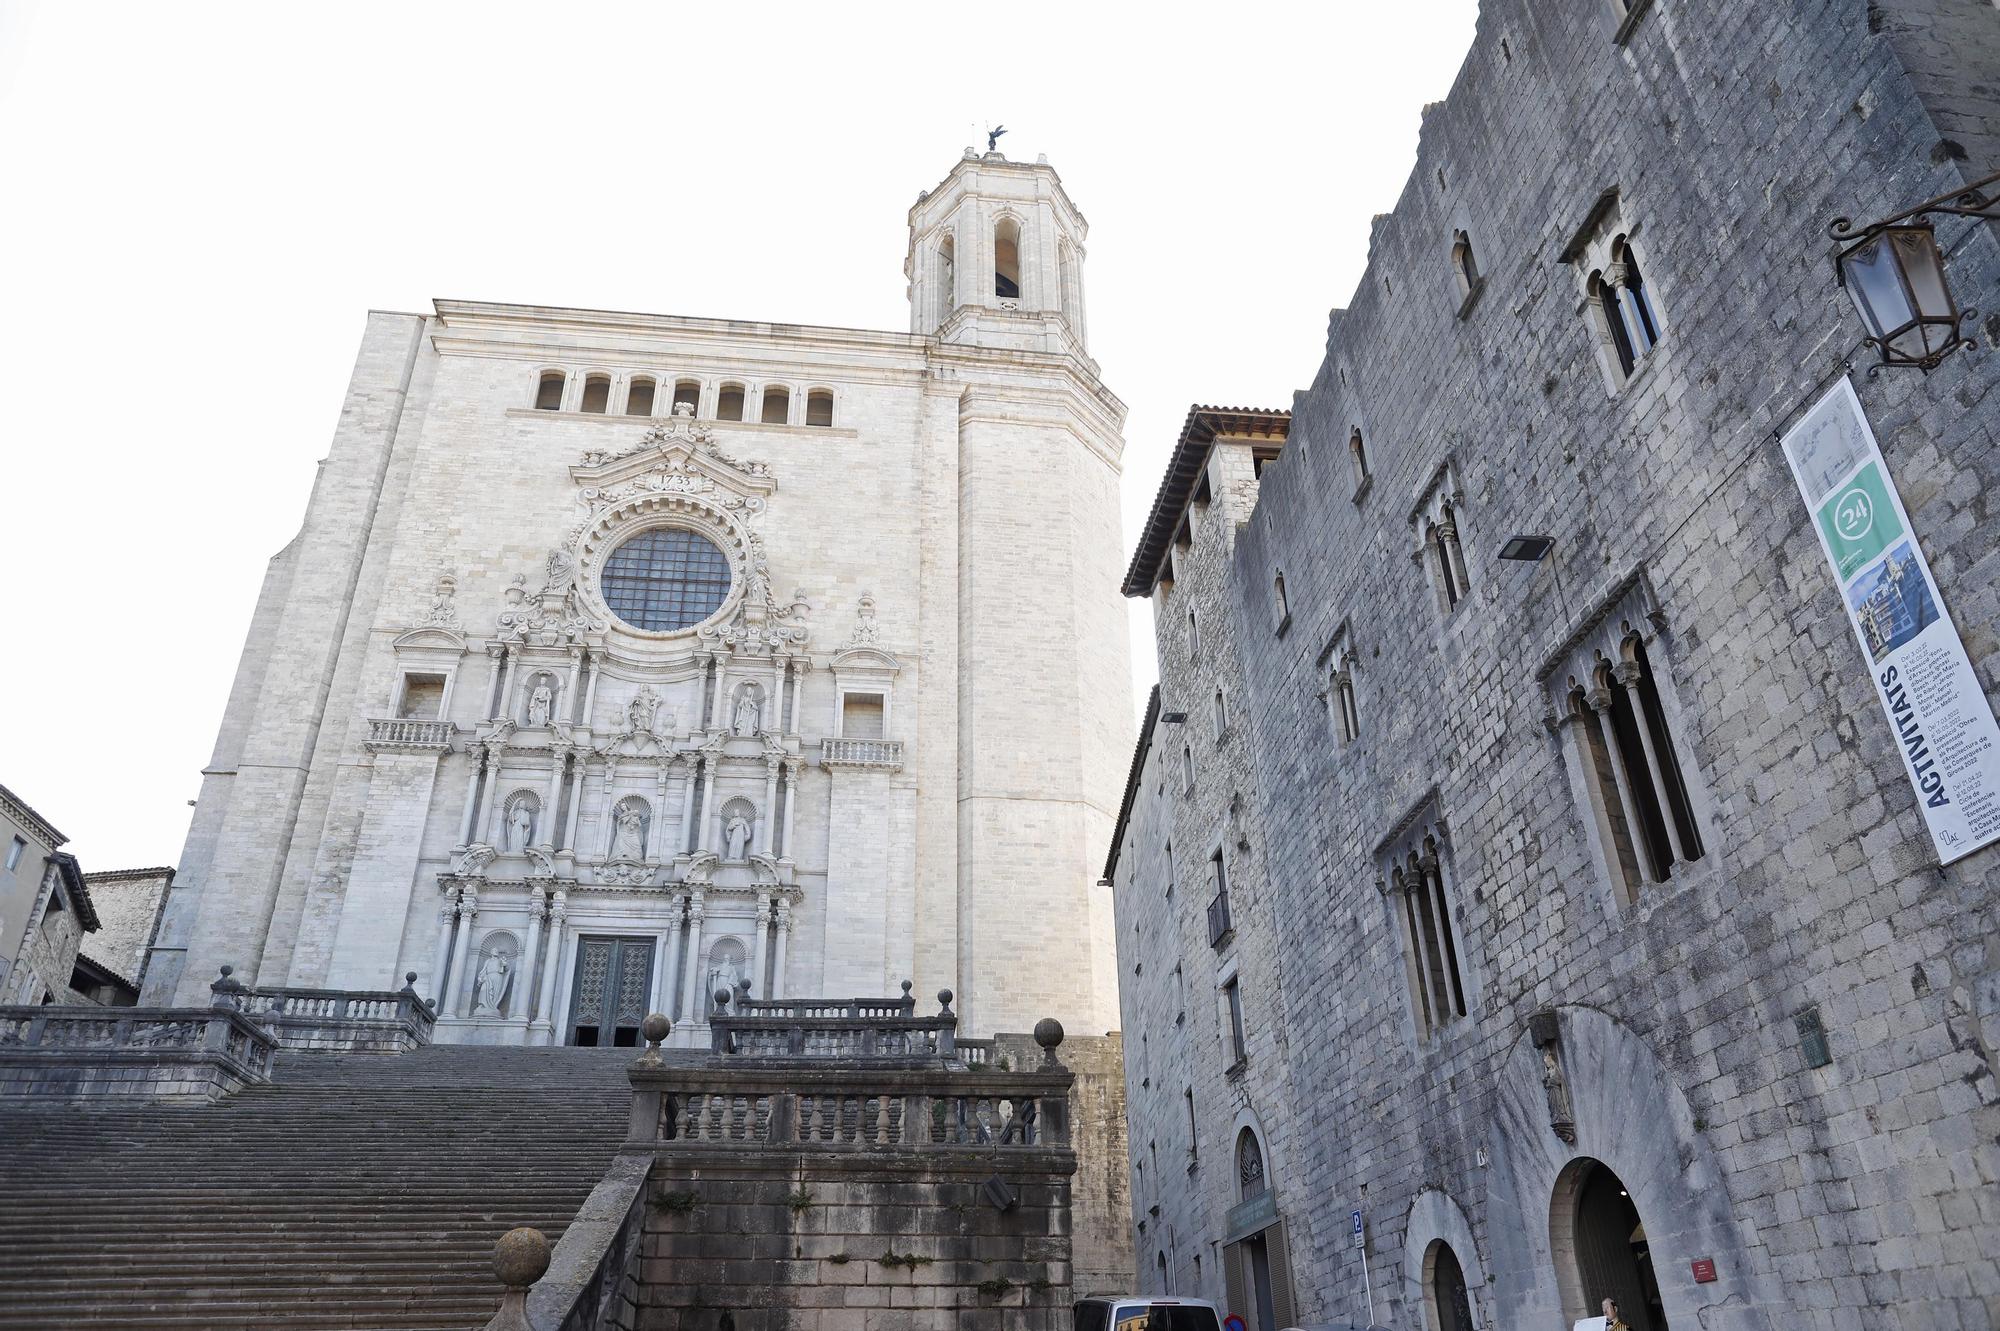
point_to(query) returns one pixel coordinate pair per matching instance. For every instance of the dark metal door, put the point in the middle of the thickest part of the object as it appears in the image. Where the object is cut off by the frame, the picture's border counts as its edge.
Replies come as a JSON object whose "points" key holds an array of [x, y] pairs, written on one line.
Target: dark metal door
{"points": [[608, 997]]}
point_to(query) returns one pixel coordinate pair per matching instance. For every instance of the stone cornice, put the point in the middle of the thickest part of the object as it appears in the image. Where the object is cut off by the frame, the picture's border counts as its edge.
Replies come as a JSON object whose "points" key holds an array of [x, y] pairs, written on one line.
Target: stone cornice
{"points": [[19, 810]]}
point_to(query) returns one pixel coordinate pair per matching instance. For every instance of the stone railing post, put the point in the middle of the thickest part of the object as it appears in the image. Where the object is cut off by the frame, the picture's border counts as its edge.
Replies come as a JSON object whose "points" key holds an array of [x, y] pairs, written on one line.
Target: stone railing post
{"points": [[784, 1118], [644, 1127], [947, 1036], [227, 992], [520, 1258]]}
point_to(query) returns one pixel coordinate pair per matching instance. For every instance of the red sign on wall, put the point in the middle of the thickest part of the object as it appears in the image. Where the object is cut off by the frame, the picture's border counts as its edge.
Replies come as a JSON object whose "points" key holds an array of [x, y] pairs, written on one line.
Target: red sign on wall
{"points": [[1704, 1270]]}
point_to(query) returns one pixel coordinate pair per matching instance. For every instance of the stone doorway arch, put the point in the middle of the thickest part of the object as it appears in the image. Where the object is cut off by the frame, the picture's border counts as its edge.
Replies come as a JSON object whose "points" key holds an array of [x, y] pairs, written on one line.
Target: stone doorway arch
{"points": [[1598, 1240]]}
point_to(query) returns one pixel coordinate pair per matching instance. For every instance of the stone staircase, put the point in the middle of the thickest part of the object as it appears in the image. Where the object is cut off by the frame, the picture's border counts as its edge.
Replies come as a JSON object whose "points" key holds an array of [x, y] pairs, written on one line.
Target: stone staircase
{"points": [[355, 1191]]}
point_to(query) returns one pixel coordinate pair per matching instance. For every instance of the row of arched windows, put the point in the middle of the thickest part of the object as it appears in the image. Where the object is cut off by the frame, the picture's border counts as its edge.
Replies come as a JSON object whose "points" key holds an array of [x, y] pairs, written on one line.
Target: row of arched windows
{"points": [[644, 395]]}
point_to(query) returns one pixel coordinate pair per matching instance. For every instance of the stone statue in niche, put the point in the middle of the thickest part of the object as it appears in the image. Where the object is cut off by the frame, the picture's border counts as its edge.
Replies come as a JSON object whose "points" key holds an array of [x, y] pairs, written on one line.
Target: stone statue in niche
{"points": [[539, 703], [520, 826], [641, 712], [736, 837], [725, 974], [1546, 1033], [491, 985], [630, 842], [748, 715]]}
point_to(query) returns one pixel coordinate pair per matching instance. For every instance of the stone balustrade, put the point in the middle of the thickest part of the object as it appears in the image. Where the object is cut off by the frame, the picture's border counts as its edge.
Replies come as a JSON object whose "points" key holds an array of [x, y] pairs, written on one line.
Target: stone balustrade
{"points": [[879, 753], [857, 1028], [791, 1106], [156, 1052], [357, 1021], [408, 733]]}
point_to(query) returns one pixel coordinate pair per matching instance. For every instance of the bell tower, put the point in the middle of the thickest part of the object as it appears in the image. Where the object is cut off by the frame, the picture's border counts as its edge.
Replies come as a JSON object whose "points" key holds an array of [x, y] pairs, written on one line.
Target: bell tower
{"points": [[996, 258]]}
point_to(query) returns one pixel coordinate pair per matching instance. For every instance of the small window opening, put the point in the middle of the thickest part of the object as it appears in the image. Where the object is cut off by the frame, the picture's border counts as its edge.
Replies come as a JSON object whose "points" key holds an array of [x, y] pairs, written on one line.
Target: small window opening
{"points": [[1221, 716], [1007, 259], [1187, 769], [1232, 997], [423, 698], [549, 392], [1284, 606], [729, 403], [639, 398], [1194, 635], [819, 407], [15, 850], [862, 716], [1346, 711], [947, 274], [1358, 453], [777, 406], [1464, 265], [687, 393], [596, 393]]}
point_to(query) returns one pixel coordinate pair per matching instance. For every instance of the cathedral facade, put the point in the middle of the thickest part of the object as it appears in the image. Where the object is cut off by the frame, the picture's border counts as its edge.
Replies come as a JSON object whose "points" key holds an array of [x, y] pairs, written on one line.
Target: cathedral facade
{"points": [[624, 658]]}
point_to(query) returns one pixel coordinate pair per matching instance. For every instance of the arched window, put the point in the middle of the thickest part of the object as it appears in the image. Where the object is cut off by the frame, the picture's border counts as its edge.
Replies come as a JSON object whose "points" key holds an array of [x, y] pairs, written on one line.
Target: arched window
{"points": [[1221, 716], [1611, 323], [1346, 712], [729, 403], [1634, 304], [819, 407], [549, 391], [1250, 1182], [1358, 453], [777, 405], [947, 279], [639, 397], [687, 393], [666, 579], [596, 393], [1166, 1286], [1464, 265], [1007, 259], [1417, 886], [1628, 754]]}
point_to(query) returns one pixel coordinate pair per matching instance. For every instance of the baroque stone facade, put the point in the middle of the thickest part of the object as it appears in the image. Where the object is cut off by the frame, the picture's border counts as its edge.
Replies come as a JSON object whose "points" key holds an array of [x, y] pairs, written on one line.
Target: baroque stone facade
{"points": [[1599, 944], [622, 658]]}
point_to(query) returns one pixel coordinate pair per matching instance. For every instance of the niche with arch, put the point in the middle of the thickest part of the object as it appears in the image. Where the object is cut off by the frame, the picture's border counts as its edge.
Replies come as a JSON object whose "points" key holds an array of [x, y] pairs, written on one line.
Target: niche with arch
{"points": [[541, 693], [739, 829], [728, 968], [631, 829], [493, 979], [747, 709], [521, 820]]}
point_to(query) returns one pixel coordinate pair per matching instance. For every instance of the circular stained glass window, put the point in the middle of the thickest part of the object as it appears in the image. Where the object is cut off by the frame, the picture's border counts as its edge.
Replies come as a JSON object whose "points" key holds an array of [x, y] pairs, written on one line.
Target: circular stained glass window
{"points": [[665, 579]]}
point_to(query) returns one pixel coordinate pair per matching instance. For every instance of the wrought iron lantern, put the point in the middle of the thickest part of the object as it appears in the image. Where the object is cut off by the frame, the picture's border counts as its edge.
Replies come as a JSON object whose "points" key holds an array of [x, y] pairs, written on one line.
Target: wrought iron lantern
{"points": [[1894, 272]]}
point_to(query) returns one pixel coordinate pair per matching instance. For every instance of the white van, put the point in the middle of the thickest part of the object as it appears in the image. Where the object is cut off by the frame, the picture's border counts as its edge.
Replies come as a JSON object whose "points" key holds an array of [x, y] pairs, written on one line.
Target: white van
{"points": [[1144, 1312]]}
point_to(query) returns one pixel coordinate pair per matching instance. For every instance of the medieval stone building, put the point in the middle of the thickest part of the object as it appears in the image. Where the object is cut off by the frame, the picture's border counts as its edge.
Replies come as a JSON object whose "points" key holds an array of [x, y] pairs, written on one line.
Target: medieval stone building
{"points": [[622, 658], [1524, 897]]}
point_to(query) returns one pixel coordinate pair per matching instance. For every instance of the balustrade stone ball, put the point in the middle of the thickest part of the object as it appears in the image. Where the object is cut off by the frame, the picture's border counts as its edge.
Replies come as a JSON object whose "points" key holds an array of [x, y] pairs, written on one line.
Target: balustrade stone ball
{"points": [[944, 998], [721, 997], [655, 1027], [1048, 1034], [521, 1257], [409, 977], [228, 971]]}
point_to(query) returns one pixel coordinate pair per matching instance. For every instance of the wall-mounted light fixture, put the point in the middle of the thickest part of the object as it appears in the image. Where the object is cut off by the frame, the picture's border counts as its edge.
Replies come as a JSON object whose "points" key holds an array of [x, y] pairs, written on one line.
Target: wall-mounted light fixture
{"points": [[1894, 273]]}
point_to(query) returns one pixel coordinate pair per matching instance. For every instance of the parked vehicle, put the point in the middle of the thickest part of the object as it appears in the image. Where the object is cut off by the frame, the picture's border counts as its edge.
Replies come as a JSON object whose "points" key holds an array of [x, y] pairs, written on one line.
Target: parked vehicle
{"points": [[1144, 1312]]}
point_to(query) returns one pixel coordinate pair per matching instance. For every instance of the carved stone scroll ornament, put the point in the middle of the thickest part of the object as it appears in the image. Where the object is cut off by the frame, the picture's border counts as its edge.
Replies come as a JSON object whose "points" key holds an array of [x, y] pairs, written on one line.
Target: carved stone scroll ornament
{"points": [[472, 860], [1545, 1029], [867, 633], [443, 613]]}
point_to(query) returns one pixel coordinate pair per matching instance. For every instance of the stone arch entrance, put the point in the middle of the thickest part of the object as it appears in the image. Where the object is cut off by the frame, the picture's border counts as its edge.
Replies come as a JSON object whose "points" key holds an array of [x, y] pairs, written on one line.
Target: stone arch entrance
{"points": [[1600, 1247]]}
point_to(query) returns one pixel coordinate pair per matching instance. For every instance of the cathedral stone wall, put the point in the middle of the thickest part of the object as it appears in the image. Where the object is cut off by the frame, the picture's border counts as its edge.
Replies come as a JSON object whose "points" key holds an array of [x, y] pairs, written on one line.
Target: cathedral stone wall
{"points": [[890, 753], [1666, 1034]]}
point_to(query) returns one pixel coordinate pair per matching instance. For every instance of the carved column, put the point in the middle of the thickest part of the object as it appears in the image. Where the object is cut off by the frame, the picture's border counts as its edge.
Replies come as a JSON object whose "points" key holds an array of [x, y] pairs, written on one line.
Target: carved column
{"points": [[718, 702], [764, 823], [468, 910], [483, 822], [496, 653], [689, 765], [778, 960], [447, 916], [507, 687], [791, 805], [478, 757], [558, 759], [1627, 675], [532, 957], [1432, 883], [552, 948], [670, 987], [799, 668], [693, 1004], [658, 850], [758, 941], [579, 772], [590, 691], [1600, 700], [575, 672], [1454, 561], [709, 827]]}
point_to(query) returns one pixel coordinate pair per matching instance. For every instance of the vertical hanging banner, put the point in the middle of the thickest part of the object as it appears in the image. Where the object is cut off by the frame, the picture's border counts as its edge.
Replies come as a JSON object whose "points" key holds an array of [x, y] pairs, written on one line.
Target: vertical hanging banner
{"points": [[1949, 741]]}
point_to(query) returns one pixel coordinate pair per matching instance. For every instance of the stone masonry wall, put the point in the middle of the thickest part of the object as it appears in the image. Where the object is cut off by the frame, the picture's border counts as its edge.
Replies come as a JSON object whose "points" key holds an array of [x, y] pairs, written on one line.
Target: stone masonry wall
{"points": [[878, 1243], [1860, 1193]]}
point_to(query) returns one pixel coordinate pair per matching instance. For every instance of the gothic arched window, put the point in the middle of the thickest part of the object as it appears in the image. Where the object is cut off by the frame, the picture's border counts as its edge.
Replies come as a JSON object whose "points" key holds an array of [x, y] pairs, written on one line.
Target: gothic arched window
{"points": [[666, 579], [1249, 1166]]}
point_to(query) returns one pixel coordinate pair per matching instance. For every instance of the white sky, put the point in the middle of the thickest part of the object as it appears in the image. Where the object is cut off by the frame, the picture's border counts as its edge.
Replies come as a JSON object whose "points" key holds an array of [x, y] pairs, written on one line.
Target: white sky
{"points": [[201, 201]]}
